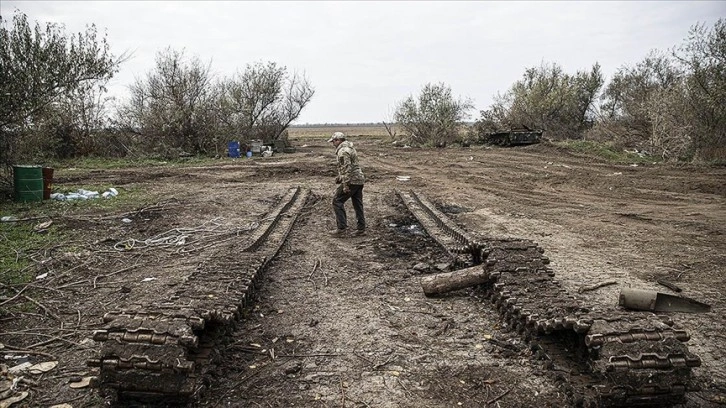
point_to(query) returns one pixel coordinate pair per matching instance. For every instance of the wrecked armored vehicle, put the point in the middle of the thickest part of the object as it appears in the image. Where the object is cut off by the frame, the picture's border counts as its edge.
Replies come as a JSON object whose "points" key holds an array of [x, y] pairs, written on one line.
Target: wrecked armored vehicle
{"points": [[514, 137]]}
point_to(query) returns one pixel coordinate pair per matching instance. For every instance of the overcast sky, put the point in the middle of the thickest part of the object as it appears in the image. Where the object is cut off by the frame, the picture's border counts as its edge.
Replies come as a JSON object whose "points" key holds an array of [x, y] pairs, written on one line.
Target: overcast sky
{"points": [[363, 57]]}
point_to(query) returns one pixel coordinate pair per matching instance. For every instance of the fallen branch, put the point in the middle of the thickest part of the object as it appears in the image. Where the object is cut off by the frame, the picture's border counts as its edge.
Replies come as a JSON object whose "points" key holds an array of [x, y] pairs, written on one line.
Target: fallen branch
{"points": [[449, 281], [183, 251], [89, 217], [17, 295], [117, 282], [669, 285], [113, 273], [53, 339], [315, 267], [28, 298], [497, 398], [17, 350], [596, 286], [234, 387], [324, 274], [40, 305], [66, 272], [309, 355], [363, 358], [34, 286], [377, 366]]}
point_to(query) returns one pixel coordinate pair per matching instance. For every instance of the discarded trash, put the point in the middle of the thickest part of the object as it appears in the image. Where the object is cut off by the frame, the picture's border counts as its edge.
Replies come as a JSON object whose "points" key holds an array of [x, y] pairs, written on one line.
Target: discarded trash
{"points": [[112, 192], [421, 267], [31, 368], [126, 220], [41, 368], [43, 226], [660, 302], [41, 276], [148, 279], [403, 178], [20, 367], [82, 383], [12, 400], [82, 194], [9, 218]]}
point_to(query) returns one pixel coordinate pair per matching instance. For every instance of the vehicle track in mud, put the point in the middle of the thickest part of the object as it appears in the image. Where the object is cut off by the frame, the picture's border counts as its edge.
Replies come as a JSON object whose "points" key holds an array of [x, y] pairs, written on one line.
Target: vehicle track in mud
{"points": [[343, 321], [603, 357], [161, 349], [369, 337]]}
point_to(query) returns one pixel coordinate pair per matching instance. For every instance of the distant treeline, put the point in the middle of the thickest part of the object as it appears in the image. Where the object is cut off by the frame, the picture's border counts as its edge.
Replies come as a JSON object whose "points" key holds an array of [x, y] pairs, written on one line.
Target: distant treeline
{"points": [[357, 124], [54, 102], [333, 125]]}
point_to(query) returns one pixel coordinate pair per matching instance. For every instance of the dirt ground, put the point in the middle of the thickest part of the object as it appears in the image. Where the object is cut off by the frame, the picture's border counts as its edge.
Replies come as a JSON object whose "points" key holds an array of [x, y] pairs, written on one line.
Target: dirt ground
{"points": [[343, 322]]}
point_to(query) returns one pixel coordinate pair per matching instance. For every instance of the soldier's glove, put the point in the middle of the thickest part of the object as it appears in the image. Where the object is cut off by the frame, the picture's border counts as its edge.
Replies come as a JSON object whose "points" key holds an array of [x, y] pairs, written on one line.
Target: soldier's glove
{"points": [[346, 189], [338, 180]]}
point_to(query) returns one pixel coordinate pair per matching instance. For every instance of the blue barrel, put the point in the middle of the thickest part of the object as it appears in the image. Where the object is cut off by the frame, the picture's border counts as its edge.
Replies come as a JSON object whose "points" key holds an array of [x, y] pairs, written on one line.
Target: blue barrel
{"points": [[233, 149]]}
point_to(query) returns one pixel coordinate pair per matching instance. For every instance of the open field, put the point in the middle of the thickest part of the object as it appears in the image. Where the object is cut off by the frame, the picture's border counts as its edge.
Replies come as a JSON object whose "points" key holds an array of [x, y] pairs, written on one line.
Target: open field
{"points": [[325, 131], [339, 322]]}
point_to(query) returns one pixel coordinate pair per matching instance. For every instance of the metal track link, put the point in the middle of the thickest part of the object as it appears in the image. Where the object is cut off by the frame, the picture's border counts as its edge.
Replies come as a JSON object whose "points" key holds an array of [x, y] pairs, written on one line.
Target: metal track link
{"points": [[618, 358], [161, 350], [444, 231]]}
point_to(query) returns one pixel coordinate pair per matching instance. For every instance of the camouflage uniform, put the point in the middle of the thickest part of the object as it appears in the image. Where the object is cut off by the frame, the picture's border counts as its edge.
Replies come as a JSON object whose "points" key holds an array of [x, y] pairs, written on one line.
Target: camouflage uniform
{"points": [[351, 176]]}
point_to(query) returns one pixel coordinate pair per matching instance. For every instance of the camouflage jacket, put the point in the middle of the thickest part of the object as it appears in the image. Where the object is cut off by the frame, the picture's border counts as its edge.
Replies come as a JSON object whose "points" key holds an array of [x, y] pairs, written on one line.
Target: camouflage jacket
{"points": [[349, 171]]}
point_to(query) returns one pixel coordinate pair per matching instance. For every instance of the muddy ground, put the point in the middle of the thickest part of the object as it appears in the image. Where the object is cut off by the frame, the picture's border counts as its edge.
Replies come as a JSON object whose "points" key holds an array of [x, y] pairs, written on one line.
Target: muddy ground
{"points": [[343, 321]]}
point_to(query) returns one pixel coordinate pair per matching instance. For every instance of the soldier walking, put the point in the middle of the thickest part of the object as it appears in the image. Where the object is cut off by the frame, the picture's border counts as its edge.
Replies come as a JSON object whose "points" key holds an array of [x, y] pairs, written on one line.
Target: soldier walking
{"points": [[350, 182]]}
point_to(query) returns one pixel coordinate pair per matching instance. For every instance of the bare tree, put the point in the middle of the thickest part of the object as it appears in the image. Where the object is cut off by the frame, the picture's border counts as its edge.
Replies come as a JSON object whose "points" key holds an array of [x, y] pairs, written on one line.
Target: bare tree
{"points": [[626, 97], [434, 117], [39, 67], [391, 130], [262, 101], [174, 106], [703, 56], [546, 98], [74, 125]]}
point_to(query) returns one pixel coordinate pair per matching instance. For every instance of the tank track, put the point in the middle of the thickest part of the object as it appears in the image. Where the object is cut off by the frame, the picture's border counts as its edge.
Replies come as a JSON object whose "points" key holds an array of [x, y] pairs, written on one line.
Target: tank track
{"points": [[160, 350], [599, 356]]}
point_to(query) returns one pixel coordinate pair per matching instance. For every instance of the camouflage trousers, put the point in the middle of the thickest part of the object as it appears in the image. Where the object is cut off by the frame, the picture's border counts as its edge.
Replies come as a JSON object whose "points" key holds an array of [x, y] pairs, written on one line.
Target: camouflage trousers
{"points": [[356, 196]]}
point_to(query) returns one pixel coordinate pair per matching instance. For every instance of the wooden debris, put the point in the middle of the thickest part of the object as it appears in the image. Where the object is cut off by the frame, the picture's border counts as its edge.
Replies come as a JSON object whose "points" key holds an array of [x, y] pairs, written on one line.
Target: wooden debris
{"points": [[596, 286], [448, 281], [669, 285]]}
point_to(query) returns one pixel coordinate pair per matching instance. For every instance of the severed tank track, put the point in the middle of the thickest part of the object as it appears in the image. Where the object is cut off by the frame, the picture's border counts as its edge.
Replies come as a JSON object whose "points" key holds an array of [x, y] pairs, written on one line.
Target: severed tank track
{"points": [[599, 355], [160, 351]]}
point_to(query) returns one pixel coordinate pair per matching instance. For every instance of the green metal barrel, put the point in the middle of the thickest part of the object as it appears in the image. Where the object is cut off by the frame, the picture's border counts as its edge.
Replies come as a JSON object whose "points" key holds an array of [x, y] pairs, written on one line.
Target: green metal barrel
{"points": [[28, 182]]}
